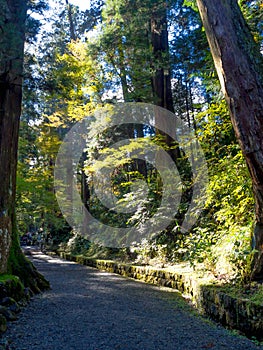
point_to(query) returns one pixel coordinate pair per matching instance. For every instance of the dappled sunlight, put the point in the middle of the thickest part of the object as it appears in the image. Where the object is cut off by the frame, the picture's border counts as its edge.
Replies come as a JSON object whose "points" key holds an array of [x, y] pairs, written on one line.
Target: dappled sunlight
{"points": [[131, 144], [93, 280]]}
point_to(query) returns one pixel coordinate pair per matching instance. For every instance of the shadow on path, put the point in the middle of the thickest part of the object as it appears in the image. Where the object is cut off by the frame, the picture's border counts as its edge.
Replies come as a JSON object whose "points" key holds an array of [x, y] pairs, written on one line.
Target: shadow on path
{"points": [[87, 309]]}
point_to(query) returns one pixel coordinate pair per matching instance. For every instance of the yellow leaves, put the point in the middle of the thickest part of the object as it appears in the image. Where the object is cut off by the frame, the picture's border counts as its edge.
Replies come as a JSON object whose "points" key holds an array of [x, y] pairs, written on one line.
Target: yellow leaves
{"points": [[77, 49], [112, 160], [76, 54], [117, 157], [49, 142], [76, 112], [230, 192], [55, 120], [74, 69], [77, 86]]}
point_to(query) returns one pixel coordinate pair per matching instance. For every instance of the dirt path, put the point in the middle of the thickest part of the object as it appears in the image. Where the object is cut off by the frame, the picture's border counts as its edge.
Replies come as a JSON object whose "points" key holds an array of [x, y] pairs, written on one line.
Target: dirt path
{"points": [[92, 310]]}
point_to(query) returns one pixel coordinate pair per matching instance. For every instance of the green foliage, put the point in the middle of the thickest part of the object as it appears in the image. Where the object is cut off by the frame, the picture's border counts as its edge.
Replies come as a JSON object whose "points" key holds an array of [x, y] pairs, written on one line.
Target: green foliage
{"points": [[76, 244], [124, 46], [240, 256], [222, 237], [215, 131], [67, 80], [136, 186], [230, 191], [5, 277], [191, 3], [58, 93], [36, 204], [253, 12]]}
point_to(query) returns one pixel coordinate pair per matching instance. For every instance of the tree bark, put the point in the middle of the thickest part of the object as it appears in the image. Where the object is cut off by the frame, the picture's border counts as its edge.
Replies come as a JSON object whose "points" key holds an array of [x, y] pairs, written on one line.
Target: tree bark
{"points": [[239, 65], [71, 22], [161, 81], [162, 78], [12, 26]]}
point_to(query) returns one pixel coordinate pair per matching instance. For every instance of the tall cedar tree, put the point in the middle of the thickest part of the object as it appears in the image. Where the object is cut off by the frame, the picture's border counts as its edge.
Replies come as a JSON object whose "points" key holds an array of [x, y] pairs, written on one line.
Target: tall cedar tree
{"points": [[13, 17], [12, 27], [239, 65]]}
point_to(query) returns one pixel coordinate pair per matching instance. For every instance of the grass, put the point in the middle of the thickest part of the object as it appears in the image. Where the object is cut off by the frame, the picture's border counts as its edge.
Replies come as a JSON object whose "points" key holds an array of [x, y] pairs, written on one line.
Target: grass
{"points": [[252, 292]]}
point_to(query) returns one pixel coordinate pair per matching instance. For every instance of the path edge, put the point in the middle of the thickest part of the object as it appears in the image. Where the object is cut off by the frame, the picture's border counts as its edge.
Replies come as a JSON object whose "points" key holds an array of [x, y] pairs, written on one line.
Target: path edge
{"points": [[239, 314]]}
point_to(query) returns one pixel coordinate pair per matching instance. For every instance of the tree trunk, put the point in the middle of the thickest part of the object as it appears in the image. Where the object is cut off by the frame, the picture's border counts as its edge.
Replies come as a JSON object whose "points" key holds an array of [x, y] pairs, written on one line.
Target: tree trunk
{"points": [[239, 65], [162, 79], [12, 27], [123, 74], [71, 22]]}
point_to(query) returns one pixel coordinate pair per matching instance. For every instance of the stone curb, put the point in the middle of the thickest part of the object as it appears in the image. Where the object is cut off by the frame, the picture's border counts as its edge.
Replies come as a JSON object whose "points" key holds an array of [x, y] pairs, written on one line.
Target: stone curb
{"points": [[239, 314]]}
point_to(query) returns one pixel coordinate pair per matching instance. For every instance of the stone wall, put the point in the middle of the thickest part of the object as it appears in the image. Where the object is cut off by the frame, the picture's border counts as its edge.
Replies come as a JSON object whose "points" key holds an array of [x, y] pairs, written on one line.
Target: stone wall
{"points": [[239, 314]]}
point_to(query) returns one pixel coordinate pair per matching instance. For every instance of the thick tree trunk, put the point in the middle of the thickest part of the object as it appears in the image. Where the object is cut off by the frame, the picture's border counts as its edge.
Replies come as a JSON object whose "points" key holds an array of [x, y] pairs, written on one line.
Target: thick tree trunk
{"points": [[239, 65], [12, 27], [162, 79]]}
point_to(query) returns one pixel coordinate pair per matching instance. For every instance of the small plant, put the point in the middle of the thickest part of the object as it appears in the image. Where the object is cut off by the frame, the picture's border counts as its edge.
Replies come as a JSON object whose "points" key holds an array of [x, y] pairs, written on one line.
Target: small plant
{"points": [[77, 244], [241, 256]]}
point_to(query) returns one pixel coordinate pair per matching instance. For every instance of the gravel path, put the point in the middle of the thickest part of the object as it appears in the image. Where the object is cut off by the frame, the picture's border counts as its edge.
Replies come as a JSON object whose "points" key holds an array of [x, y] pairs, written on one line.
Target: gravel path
{"points": [[87, 309]]}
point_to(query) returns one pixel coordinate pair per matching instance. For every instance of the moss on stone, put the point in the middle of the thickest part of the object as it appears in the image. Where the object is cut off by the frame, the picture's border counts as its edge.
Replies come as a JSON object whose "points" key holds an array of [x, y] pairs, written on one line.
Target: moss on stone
{"points": [[252, 292], [6, 277], [11, 286], [3, 324], [223, 303], [19, 265]]}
